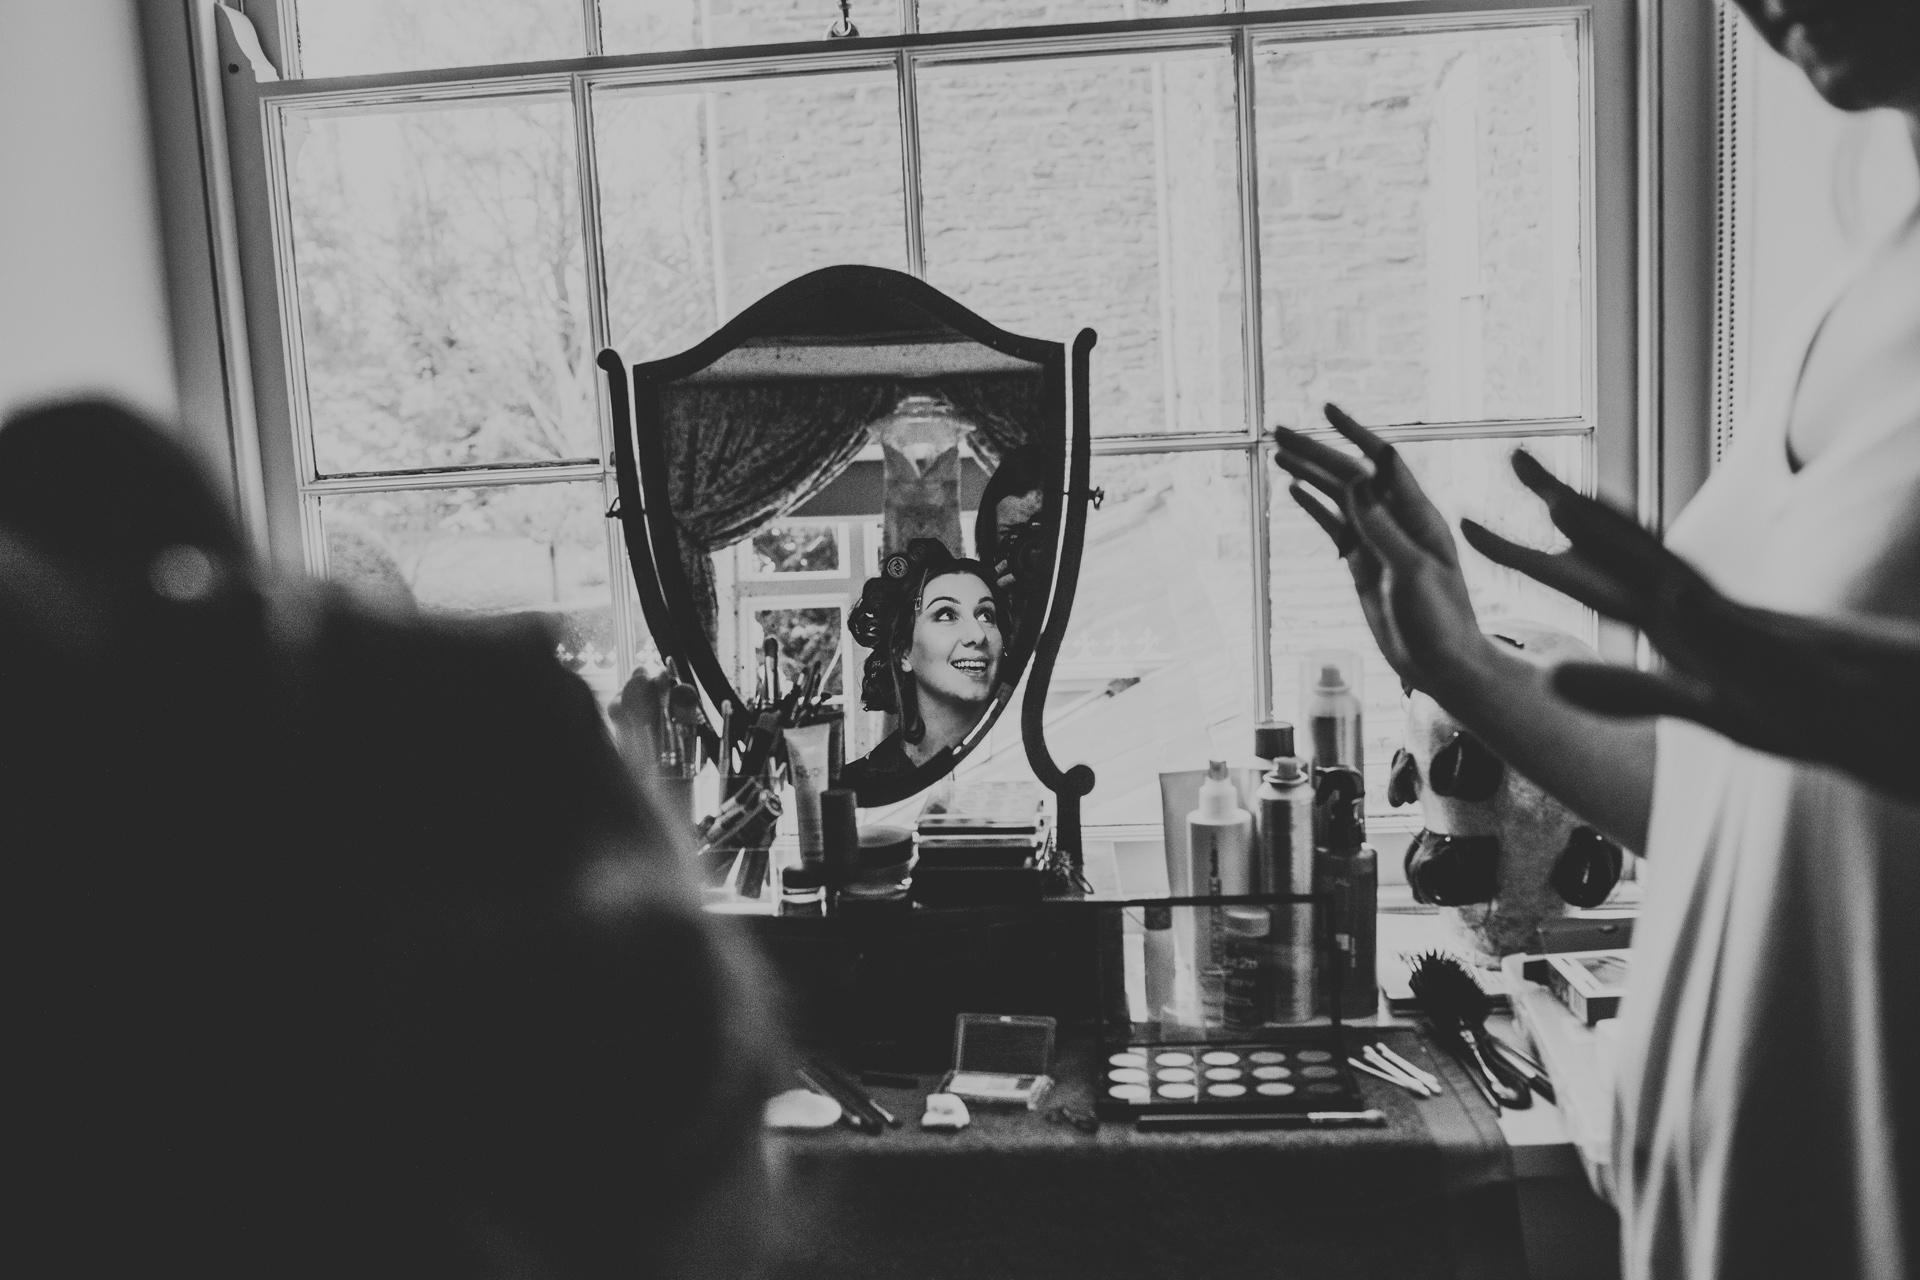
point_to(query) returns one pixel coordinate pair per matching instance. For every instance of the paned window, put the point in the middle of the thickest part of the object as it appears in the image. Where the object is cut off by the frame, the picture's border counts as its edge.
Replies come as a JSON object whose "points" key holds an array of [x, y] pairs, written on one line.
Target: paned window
{"points": [[1412, 210]]}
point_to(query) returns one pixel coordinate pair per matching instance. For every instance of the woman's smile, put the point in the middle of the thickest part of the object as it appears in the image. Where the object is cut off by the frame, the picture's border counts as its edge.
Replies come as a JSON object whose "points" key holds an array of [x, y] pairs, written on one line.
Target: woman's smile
{"points": [[956, 640]]}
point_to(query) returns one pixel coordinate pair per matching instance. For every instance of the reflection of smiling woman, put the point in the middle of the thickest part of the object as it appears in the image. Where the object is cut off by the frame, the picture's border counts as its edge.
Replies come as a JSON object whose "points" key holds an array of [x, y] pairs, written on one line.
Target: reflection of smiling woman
{"points": [[932, 623], [954, 658]]}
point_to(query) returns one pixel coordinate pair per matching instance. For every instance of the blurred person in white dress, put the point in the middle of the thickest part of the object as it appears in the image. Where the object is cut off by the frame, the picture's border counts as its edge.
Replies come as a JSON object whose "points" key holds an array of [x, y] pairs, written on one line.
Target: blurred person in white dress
{"points": [[1767, 1122]]}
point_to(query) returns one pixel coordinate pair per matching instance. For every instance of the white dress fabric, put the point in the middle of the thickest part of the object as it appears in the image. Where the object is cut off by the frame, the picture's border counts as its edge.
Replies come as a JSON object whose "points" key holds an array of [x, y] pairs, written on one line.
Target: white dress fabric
{"points": [[1768, 1118]]}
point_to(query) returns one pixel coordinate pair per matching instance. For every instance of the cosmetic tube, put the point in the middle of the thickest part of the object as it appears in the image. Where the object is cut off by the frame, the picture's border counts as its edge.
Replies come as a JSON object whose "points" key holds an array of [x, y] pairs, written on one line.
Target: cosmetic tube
{"points": [[807, 762], [840, 837], [1162, 966], [1220, 834]]}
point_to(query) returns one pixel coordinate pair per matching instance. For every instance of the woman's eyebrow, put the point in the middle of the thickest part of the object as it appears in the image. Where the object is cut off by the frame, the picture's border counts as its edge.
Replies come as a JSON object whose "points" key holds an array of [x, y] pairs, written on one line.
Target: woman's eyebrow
{"points": [[937, 599]]}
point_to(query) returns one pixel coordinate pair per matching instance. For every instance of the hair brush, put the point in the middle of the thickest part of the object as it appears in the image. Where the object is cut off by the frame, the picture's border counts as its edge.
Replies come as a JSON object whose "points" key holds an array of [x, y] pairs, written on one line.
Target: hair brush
{"points": [[1458, 1008]]}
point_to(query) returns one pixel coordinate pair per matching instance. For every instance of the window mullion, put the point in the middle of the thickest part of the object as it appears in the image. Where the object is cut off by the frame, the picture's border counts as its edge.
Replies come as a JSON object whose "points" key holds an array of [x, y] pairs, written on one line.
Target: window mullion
{"points": [[626, 630], [909, 97], [1259, 488], [590, 25]]}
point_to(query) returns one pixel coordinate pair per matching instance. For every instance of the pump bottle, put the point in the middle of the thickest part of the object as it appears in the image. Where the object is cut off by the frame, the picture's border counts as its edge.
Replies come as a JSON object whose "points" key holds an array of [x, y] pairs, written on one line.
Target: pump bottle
{"points": [[1220, 836], [1347, 870], [1283, 863]]}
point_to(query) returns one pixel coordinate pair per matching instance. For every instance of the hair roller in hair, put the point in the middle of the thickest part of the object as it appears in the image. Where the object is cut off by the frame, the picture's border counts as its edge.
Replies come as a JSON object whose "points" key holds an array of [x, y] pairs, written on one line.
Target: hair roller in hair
{"points": [[1403, 782], [1463, 769], [1453, 871], [1587, 869]]}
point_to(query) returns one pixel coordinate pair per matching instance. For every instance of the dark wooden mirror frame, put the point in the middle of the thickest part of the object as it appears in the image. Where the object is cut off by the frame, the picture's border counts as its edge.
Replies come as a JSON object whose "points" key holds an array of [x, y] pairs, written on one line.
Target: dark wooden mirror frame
{"points": [[653, 550]]}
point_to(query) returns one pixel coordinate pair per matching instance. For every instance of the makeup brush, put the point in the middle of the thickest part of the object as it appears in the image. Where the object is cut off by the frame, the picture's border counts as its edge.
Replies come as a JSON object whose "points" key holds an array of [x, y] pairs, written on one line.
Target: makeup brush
{"points": [[1526, 1068], [1457, 1008]]}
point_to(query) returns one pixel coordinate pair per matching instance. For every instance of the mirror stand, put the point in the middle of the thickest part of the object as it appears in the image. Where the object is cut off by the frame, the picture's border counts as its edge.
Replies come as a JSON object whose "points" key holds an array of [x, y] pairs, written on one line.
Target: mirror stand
{"points": [[1072, 785]]}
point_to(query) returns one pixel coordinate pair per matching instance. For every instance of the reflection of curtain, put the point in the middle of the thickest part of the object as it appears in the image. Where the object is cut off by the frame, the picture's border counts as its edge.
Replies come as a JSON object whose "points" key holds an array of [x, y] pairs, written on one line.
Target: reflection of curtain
{"points": [[1005, 410], [740, 454]]}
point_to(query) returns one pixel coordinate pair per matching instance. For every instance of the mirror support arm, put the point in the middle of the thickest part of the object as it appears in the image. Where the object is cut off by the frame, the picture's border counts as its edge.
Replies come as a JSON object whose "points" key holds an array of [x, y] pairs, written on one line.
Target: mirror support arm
{"points": [[1070, 786]]}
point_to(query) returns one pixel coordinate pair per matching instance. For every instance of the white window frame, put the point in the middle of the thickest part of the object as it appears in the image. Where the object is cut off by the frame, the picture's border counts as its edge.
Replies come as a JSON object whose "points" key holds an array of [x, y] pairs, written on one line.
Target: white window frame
{"points": [[1647, 147]]}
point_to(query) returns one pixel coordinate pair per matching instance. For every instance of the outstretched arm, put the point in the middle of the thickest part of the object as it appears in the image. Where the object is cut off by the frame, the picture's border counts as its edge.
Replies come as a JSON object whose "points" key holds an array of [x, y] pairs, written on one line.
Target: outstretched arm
{"points": [[1407, 572], [1837, 691]]}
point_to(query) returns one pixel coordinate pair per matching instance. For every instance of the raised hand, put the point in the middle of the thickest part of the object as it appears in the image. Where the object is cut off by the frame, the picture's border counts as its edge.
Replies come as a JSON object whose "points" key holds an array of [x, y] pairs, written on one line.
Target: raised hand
{"points": [[1396, 545], [1844, 692]]}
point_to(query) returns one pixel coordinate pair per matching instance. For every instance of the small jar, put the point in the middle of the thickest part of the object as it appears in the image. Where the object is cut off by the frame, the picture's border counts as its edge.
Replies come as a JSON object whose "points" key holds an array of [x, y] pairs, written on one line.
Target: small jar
{"points": [[803, 891], [883, 874]]}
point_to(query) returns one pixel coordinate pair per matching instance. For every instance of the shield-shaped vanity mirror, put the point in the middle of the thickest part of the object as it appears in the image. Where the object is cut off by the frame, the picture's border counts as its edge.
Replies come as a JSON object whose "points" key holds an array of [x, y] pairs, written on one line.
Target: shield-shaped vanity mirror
{"points": [[859, 490]]}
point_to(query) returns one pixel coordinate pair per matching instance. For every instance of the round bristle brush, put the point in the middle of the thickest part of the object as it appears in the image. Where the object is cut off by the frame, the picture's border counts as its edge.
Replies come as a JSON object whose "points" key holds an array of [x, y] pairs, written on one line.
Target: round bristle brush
{"points": [[1458, 1008]]}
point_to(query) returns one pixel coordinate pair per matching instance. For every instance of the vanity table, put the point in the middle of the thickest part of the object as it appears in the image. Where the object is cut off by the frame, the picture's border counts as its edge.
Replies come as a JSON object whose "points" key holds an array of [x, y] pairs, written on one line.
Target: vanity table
{"points": [[1444, 1189]]}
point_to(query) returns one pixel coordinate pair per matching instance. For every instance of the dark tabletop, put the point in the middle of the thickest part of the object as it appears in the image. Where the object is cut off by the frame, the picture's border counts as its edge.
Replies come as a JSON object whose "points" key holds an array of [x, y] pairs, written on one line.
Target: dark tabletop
{"points": [[1428, 1195]]}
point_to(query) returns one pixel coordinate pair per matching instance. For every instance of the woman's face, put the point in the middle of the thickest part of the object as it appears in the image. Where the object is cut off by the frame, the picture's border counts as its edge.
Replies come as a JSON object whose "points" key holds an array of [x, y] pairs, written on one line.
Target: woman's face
{"points": [[956, 639], [1859, 54]]}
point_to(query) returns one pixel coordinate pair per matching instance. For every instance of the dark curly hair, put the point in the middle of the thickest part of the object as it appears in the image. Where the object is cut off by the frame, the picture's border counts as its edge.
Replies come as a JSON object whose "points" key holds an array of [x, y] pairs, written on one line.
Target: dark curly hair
{"points": [[883, 624]]}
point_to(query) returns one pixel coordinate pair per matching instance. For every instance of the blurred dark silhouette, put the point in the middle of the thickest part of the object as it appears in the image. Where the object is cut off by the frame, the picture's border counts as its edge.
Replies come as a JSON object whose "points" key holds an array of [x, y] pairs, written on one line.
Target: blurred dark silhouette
{"points": [[344, 945]]}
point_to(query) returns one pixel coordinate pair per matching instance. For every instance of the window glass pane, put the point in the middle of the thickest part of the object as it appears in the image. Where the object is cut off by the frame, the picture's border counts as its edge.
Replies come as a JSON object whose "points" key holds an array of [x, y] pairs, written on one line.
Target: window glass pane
{"points": [[1156, 670], [1420, 232], [523, 548], [647, 26], [1313, 599], [954, 15], [365, 37], [442, 287], [1064, 193], [710, 199], [809, 638], [782, 549]]}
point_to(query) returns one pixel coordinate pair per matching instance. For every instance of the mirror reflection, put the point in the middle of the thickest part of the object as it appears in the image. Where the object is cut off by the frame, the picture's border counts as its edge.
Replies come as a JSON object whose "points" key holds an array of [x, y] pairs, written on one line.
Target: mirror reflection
{"points": [[857, 496]]}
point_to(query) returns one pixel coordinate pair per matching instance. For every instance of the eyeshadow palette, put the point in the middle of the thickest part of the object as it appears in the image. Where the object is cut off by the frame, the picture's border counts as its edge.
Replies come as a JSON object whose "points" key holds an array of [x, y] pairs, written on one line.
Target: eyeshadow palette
{"points": [[1254, 1078]]}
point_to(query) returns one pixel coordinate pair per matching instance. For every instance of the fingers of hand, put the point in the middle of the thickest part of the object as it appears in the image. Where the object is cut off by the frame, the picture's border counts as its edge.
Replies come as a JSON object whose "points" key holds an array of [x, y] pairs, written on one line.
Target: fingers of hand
{"points": [[1606, 535], [1379, 529], [1566, 572], [1370, 444], [1316, 462], [1329, 520]]}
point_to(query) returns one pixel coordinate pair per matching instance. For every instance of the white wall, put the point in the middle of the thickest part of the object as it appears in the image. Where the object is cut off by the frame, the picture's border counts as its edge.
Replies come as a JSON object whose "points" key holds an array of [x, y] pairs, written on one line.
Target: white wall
{"points": [[82, 295]]}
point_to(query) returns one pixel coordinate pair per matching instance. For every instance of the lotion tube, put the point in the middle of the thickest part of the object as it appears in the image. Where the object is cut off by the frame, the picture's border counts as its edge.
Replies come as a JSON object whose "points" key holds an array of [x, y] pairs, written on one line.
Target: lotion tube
{"points": [[807, 759]]}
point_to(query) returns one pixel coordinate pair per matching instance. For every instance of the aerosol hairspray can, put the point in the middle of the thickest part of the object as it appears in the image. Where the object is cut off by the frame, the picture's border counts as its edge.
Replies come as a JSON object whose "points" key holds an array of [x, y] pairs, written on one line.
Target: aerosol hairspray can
{"points": [[1283, 863], [1330, 697], [1347, 871]]}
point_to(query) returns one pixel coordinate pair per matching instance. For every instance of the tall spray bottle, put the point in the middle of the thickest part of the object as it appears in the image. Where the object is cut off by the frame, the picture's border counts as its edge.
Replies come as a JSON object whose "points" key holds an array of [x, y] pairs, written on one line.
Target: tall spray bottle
{"points": [[1330, 697], [1283, 863], [1347, 870], [1220, 836]]}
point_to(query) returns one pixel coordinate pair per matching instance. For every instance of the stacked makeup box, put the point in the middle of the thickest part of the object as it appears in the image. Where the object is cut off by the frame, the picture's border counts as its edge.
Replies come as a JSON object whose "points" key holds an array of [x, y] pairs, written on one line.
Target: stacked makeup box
{"points": [[981, 845]]}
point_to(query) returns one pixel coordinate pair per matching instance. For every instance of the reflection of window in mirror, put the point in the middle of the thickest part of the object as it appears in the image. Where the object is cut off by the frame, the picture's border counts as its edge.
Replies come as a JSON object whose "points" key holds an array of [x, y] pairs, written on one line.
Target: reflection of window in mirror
{"points": [[809, 633], [788, 552]]}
